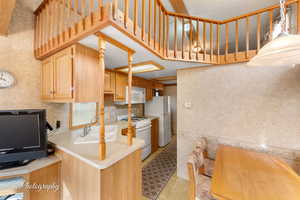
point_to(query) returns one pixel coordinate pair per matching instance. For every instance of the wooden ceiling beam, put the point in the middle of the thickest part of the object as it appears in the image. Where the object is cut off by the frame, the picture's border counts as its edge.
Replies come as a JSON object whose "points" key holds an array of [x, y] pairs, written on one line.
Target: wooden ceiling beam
{"points": [[179, 6], [6, 11], [115, 42], [165, 78]]}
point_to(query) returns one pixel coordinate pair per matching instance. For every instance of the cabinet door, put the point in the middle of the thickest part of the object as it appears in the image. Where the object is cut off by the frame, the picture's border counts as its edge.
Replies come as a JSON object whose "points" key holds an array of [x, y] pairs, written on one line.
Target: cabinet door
{"points": [[149, 94], [47, 88], [63, 75], [109, 86], [154, 135], [121, 83]]}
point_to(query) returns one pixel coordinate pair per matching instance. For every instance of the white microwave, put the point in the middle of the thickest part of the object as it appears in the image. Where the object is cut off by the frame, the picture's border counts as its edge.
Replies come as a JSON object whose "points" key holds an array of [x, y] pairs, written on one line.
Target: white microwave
{"points": [[138, 95]]}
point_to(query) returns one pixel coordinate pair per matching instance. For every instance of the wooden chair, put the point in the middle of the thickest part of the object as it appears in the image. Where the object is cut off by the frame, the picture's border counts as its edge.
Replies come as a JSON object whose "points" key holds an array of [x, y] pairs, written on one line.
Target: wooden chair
{"points": [[208, 168]]}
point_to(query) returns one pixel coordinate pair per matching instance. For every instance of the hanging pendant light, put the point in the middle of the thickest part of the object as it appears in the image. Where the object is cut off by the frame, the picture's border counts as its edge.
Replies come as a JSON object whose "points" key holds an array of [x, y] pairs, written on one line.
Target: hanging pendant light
{"points": [[284, 50]]}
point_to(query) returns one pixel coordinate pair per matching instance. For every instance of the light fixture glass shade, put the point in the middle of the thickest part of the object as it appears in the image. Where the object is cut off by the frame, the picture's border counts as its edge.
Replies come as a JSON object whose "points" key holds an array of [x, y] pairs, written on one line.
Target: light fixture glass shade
{"points": [[282, 51]]}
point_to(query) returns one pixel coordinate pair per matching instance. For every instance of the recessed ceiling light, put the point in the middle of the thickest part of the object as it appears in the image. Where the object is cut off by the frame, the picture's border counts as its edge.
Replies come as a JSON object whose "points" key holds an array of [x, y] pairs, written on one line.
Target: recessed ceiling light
{"points": [[142, 67]]}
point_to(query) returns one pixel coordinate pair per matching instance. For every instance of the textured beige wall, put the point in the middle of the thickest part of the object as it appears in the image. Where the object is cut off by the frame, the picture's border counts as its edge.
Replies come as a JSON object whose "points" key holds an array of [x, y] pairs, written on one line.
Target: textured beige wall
{"points": [[16, 56], [256, 108], [172, 92]]}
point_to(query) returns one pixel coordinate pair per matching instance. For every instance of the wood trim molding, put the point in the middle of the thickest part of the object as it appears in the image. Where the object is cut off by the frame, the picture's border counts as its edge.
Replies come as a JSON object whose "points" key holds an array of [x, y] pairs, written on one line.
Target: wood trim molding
{"points": [[160, 67], [6, 11], [165, 78], [115, 42]]}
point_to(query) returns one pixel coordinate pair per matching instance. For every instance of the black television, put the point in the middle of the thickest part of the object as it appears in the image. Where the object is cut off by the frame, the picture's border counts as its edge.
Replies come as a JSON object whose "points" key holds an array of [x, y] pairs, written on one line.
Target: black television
{"points": [[23, 135]]}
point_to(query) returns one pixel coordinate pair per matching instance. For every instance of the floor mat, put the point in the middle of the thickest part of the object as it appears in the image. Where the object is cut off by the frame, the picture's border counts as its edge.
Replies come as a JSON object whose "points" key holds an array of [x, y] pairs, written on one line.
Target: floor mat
{"points": [[157, 172]]}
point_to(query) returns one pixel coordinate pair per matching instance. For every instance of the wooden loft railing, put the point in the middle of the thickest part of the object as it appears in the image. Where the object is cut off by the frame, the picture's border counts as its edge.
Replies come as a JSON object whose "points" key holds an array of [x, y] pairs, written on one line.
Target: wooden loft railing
{"points": [[171, 36], [179, 37]]}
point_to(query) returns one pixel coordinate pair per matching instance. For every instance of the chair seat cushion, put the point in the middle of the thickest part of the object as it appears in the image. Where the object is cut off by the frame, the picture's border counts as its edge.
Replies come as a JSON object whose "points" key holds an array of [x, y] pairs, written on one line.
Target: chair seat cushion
{"points": [[203, 188]]}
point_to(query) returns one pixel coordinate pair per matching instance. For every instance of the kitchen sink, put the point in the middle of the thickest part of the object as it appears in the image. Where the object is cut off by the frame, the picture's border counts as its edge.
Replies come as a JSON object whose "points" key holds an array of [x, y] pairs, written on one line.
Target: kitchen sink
{"points": [[111, 132]]}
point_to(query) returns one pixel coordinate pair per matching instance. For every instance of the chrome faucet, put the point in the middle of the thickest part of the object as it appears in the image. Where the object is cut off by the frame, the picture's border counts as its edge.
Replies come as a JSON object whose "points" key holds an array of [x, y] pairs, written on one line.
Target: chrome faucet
{"points": [[86, 130]]}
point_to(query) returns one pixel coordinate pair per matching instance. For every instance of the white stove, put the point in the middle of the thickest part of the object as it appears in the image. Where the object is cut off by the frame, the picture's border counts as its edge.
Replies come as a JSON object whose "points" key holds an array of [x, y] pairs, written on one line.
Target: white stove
{"points": [[143, 131]]}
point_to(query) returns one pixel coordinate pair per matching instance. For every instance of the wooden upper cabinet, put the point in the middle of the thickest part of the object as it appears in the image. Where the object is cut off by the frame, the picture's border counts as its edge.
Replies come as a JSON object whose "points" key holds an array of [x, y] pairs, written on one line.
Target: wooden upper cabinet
{"points": [[121, 83], [86, 74], [47, 74], [71, 75], [110, 82], [63, 73]]}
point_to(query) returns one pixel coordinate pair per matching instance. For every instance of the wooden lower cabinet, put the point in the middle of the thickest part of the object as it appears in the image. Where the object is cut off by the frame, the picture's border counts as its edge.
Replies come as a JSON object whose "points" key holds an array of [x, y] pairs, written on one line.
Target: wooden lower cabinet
{"points": [[154, 134], [121, 181], [48, 175]]}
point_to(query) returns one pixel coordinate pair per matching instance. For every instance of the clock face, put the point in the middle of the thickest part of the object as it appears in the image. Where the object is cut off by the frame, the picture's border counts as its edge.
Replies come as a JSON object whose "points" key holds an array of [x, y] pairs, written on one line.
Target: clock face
{"points": [[6, 79]]}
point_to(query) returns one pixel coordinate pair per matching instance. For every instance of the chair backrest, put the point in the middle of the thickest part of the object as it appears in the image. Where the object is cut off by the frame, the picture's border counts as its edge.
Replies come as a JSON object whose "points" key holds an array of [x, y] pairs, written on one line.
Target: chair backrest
{"points": [[195, 167]]}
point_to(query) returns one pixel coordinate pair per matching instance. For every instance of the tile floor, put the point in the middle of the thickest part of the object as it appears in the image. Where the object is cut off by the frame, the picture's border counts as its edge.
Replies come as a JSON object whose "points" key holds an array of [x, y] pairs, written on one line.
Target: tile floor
{"points": [[176, 189]]}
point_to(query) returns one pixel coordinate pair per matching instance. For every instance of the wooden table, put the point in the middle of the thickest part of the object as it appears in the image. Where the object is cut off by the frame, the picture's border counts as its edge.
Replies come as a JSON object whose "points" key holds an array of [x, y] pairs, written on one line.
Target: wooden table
{"points": [[246, 175]]}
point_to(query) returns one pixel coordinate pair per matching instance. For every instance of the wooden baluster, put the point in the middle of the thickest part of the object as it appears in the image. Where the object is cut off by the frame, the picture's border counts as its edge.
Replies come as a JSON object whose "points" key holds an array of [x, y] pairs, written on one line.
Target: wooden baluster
{"points": [[102, 145], [182, 40], [204, 41], [36, 36], [218, 43], [143, 19], [198, 40], [47, 16], [100, 3], [126, 13], [175, 37], [298, 17], [236, 40], [149, 22], [258, 32], [247, 37], [191, 39], [61, 22], [69, 13], [76, 6], [64, 17], [130, 132], [211, 42], [164, 33], [91, 6], [51, 25], [135, 17], [226, 43], [167, 35], [115, 9], [83, 7], [271, 24], [43, 30], [160, 30], [154, 24]]}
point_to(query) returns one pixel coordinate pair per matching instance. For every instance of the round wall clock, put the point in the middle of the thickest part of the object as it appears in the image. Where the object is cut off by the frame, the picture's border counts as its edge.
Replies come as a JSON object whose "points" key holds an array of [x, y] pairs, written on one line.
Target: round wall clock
{"points": [[6, 79]]}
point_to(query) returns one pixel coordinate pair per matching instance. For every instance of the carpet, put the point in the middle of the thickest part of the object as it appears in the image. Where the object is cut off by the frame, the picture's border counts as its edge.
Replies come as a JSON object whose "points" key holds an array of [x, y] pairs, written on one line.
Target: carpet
{"points": [[158, 171]]}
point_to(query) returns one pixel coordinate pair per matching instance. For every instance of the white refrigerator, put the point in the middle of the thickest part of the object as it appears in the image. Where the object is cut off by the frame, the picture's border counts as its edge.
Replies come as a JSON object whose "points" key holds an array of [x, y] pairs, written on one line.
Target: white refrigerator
{"points": [[160, 107]]}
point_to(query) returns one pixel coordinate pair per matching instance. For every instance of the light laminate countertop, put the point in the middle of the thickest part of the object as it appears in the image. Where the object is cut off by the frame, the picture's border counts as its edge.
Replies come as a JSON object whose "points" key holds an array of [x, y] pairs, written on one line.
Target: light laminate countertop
{"points": [[88, 153]]}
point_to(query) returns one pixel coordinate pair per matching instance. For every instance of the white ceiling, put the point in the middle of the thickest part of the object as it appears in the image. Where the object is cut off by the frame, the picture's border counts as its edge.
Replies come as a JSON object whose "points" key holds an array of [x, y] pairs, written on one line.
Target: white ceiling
{"points": [[221, 10], [115, 57]]}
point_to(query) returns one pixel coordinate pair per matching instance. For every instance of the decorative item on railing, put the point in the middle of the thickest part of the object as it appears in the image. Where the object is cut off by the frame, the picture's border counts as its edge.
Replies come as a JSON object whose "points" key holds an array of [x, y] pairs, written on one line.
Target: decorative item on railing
{"points": [[285, 49]]}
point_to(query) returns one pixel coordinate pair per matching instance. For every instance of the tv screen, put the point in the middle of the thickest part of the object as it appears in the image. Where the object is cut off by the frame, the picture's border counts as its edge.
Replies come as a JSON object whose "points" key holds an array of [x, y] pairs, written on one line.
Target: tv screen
{"points": [[23, 135], [19, 132]]}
